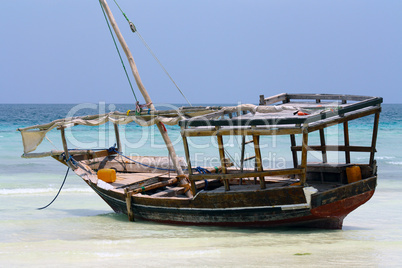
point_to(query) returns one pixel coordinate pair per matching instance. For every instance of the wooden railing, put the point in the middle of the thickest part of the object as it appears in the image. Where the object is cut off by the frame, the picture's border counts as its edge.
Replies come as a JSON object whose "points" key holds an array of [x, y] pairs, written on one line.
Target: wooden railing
{"points": [[339, 148]]}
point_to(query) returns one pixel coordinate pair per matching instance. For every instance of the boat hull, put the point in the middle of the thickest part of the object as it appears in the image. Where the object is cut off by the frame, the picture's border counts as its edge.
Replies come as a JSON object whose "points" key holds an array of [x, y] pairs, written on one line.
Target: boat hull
{"points": [[326, 210]]}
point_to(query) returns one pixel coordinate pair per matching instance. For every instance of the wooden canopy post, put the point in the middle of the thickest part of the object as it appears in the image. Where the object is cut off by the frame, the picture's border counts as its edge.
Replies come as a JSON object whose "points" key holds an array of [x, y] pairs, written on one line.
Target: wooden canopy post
{"points": [[243, 149], [63, 139], [346, 138], [223, 160], [324, 150], [65, 147], [116, 132], [374, 139], [258, 159], [130, 212], [304, 156], [262, 100], [145, 94], [294, 152], [189, 166], [187, 153]]}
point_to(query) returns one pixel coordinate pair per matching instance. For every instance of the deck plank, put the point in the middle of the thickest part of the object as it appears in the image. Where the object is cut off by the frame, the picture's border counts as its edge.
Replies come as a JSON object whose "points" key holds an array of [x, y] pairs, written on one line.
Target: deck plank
{"points": [[125, 179]]}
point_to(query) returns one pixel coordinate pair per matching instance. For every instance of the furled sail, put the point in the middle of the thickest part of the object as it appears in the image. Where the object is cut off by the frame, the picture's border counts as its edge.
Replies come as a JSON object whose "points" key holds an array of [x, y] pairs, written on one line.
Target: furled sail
{"points": [[33, 136]]}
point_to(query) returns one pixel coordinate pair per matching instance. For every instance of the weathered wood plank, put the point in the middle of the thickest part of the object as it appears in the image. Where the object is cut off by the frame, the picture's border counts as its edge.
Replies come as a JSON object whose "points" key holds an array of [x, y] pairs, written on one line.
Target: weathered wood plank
{"points": [[64, 141], [130, 213], [294, 153], [355, 107], [258, 160], [239, 131], [117, 134], [374, 138], [249, 158], [330, 168], [262, 100], [334, 148], [154, 186], [319, 125], [175, 191], [248, 174], [223, 162], [80, 155], [324, 151], [346, 138], [243, 150], [129, 179], [187, 154], [275, 99], [327, 97], [304, 155], [275, 120]]}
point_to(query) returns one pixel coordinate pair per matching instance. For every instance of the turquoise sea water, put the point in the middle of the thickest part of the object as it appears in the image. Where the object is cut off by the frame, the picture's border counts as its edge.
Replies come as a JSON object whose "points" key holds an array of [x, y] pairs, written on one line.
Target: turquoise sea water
{"points": [[79, 229]]}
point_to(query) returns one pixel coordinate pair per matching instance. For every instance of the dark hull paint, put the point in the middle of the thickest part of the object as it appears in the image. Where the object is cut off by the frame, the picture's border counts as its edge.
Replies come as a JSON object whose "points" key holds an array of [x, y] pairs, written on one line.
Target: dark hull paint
{"points": [[328, 209]]}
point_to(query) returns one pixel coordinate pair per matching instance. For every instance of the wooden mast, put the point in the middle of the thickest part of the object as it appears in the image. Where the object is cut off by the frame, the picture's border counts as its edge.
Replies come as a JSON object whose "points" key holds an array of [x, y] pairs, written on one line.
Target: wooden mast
{"points": [[144, 93]]}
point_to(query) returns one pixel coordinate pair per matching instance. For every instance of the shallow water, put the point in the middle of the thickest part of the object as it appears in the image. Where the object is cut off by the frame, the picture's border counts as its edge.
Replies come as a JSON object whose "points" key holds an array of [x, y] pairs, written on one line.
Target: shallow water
{"points": [[80, 229]]}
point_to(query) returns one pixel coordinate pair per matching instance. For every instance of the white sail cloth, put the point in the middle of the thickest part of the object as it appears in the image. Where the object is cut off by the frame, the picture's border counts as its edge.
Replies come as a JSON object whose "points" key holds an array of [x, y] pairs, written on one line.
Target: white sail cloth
{"points": [[33, 136], [258, 108], [31, 139]]}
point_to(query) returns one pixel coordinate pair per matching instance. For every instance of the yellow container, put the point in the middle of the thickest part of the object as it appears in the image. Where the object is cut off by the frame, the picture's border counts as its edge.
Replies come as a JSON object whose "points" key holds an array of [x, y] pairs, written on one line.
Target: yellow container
{"points": [[353, 174], [107, 175]]}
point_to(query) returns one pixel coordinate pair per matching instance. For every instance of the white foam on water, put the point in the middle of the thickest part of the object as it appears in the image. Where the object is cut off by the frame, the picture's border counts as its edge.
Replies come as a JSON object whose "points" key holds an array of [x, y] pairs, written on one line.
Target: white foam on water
{"points": [[384, 157], [42, 191], [107, 254], [395, 163]]}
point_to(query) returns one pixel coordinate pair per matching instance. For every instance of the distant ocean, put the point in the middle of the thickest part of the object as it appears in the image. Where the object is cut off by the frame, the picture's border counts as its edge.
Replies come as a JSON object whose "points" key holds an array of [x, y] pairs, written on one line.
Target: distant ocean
{"points": [[79, 229]]}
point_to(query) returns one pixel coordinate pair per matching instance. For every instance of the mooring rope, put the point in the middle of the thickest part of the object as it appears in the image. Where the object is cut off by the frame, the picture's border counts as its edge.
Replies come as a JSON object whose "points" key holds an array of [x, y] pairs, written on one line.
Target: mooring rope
{"points": [[65, 177]]}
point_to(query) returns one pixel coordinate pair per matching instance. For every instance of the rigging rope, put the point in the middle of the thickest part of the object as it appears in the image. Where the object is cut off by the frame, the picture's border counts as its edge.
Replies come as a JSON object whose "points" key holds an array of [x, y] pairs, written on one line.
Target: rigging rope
{"points": [[134, 30], [198, 169], [163, 68], [113, 149], [51, 142], [118, 51], [231, 158]]}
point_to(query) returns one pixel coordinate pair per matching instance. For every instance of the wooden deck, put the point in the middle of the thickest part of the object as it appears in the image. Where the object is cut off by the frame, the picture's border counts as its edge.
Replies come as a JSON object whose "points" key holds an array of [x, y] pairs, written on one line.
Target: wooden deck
{"points": [[137, 180]]}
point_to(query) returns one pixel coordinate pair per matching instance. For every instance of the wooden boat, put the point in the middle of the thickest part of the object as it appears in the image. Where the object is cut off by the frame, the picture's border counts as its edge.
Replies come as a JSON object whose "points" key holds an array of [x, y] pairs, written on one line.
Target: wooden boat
{"points": [[171, 190]]}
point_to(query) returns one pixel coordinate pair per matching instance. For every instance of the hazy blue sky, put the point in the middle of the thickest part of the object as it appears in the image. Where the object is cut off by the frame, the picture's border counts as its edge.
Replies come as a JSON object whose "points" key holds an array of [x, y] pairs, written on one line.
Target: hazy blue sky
{"points": [[54, 51]]}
